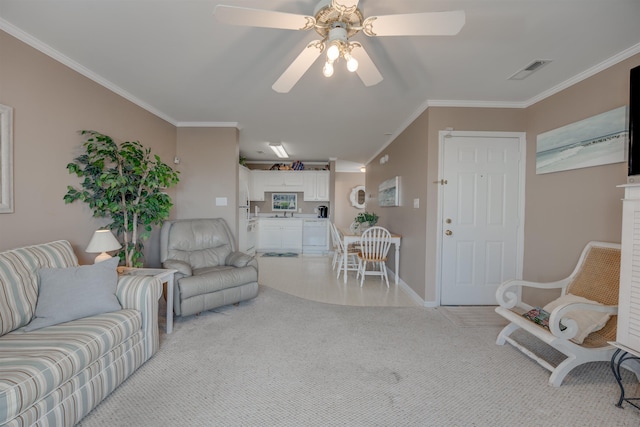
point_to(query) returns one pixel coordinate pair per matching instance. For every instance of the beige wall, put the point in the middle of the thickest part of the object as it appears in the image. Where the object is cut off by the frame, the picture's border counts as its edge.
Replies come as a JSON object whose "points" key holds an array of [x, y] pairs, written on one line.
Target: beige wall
{"points": [[563, 210], [51, 104], [307, 207], [408, 157], [344, 212], [208, 170]]}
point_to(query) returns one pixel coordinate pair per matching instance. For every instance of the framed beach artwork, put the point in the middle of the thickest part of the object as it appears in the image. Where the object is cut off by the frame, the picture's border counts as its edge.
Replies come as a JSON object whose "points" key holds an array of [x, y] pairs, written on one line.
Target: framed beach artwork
{"points": [[389, 192], [598, 140]]}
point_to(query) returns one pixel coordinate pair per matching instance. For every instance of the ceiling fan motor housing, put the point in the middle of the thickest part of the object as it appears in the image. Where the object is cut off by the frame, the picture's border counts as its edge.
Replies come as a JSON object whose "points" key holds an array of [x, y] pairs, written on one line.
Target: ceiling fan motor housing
{"points": [[328, 17]]}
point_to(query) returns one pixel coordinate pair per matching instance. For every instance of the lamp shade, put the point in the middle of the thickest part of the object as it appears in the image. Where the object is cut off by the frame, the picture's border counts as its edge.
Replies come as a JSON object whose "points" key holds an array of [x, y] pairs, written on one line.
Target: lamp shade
{"points": [[101, 242]]}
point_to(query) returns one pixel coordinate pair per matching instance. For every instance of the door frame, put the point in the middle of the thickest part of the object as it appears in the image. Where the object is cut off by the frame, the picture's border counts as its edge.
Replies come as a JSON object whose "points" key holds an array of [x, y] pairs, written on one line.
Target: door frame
{"points": [[522, 142]]}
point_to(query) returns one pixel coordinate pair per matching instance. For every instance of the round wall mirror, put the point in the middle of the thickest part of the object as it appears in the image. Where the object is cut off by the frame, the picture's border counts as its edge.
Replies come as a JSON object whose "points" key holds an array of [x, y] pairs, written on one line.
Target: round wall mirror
{"points": [[357, 196]]}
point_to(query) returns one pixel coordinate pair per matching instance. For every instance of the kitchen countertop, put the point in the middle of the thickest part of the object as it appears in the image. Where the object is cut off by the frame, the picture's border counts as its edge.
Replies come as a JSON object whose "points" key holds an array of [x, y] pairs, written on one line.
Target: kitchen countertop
{"points": [[272, 215]]}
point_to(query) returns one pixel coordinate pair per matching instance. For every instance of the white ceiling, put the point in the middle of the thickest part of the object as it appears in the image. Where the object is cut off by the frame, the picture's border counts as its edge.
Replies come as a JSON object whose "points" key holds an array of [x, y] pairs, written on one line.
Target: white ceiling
{"points": [[173, 58]]}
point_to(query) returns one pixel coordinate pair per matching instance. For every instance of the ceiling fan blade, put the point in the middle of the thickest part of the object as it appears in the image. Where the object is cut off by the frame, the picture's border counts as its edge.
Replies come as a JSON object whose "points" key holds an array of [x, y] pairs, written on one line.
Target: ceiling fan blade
{"points": [[367, 70], [415, 24], [298, 67], [262, 18]]}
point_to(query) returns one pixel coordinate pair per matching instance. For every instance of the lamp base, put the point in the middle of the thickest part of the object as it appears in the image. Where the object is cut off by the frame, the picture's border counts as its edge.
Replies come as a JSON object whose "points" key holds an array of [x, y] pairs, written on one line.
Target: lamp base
{"points": [[102, 257]]}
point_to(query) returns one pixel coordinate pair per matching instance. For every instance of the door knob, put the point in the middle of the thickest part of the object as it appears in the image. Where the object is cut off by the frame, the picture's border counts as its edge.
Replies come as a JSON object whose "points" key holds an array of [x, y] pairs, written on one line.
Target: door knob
{"points": [[448, 233]]}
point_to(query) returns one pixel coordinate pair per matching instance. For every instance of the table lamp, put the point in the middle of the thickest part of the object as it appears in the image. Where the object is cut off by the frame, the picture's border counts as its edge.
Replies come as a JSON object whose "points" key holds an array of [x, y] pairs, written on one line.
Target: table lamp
{"points": [[102, 242]]}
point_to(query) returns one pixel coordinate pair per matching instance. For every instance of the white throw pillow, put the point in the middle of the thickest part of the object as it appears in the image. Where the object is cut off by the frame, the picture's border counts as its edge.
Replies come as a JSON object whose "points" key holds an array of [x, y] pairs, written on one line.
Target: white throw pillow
{"points": [[588, 320]]}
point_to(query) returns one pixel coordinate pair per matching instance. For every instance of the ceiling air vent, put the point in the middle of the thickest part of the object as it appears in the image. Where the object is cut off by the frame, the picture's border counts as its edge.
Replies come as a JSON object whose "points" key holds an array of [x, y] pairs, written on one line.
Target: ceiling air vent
{"points": [[529, 69]]}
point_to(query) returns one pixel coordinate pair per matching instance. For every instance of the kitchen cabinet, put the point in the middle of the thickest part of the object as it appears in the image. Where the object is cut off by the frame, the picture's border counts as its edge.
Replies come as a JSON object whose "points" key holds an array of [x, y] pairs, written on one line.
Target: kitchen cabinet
{"points": [[280, 234], [287, 181], [257, 185], [316, 186]]}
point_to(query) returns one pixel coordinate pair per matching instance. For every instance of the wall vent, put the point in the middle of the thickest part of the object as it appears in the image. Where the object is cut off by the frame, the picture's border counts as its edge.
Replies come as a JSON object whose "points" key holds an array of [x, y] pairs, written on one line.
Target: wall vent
{"points": [[529, 69]]}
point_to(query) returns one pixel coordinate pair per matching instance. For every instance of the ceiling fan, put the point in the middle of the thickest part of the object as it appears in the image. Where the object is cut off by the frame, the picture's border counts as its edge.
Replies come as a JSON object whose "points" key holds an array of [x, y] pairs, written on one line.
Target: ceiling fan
{"points": [[336, 21]]}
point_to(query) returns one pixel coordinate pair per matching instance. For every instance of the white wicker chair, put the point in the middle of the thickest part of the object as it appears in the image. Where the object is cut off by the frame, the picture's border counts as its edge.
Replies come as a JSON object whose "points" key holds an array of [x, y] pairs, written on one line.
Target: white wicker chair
{"points": [[595, 277]]}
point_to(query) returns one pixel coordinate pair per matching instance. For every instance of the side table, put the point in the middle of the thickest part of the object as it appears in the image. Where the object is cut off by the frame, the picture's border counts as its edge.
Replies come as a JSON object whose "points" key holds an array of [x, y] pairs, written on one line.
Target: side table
{"points": [[621, 355], [166, 276]]}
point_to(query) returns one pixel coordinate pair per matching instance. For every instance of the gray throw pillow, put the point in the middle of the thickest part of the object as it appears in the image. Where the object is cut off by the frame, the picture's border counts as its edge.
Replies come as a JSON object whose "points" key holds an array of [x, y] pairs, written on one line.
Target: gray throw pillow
{"points": [[67, 294]]}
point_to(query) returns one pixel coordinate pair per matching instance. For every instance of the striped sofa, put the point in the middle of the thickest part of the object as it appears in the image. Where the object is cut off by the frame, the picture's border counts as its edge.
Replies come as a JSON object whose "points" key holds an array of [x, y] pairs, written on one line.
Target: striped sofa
{"points": [[54, 376]]}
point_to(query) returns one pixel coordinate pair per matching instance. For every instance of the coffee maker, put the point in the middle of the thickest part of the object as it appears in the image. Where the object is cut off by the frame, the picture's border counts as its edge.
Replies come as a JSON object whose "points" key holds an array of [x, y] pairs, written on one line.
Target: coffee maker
{"points": [[323, 211]]}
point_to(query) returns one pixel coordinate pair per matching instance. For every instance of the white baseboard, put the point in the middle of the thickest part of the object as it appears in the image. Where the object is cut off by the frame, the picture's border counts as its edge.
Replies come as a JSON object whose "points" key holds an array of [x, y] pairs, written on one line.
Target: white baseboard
{"points": [[414, 296]]}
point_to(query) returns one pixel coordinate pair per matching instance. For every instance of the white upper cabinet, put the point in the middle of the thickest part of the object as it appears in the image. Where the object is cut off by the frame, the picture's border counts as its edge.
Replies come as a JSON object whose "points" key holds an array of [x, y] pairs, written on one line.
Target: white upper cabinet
{"points": [[316, 186], [257, 185]]}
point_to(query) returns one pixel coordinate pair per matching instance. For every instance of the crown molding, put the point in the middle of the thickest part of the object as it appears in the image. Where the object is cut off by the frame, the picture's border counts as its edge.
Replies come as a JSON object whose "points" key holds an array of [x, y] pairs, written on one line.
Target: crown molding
{"points": [[627, 53], [207, 125], [65, 60]]}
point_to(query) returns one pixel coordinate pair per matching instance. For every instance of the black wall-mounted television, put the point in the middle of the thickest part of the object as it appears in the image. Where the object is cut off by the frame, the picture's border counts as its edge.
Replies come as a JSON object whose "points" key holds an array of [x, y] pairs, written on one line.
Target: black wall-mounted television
{"points": [[634, 125]]}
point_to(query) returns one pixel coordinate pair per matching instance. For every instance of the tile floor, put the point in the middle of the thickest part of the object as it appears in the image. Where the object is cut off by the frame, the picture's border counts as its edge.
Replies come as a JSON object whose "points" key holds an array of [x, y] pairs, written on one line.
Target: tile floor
{"points": [[311, 277]]}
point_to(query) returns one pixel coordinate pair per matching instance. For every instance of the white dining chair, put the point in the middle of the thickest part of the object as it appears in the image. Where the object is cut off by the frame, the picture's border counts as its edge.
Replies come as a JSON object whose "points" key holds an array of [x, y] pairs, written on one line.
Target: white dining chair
{"points": [[374, 247], [341, 252]]}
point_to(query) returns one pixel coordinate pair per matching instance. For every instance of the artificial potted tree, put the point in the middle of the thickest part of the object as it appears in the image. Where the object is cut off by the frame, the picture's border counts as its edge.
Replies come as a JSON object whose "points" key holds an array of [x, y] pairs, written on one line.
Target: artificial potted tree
{"points": [[124, 183]]}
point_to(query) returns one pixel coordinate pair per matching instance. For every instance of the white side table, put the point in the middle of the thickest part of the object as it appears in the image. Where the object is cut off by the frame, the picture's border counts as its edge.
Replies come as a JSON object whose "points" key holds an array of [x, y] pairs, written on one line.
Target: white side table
{"points": [[166, 276]]}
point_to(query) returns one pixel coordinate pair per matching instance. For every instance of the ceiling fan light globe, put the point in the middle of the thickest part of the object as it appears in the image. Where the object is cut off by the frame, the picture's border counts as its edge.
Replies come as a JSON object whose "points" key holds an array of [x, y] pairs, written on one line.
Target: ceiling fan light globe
{"points": [[333, 52], [352, 64], [327, 70]]}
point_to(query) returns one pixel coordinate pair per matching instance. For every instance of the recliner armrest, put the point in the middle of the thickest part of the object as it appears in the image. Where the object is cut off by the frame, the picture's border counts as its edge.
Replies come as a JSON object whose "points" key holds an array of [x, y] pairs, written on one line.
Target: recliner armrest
{"points": [[182, 267], [240, 259]]}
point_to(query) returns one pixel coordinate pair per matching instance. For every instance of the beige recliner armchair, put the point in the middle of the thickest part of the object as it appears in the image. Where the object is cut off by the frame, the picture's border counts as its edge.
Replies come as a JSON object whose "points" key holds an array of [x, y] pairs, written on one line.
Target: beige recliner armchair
{"points": [[211, 273]]}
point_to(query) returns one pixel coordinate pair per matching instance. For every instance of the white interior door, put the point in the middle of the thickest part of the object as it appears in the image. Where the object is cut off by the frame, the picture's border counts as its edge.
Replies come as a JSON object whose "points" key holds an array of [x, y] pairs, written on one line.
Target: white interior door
{"points": [[481, 216]]}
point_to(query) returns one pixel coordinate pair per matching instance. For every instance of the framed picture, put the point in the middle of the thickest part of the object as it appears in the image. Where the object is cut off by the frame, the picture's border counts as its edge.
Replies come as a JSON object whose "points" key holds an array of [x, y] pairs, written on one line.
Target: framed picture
{"points": [[6, 159], [287, 202], [598, 140], [389, 192]]}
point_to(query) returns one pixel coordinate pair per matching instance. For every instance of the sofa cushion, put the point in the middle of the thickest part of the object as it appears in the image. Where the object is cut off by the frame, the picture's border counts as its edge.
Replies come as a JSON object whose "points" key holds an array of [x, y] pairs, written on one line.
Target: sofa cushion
{"points": [[33, 364], [19, 279], [72, 293], [213, 279]]}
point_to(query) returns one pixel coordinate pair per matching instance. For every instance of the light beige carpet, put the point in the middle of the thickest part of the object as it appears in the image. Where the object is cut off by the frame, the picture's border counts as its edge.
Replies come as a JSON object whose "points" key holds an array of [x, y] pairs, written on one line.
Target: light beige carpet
{"points": [[472, 316], [279, 360]]}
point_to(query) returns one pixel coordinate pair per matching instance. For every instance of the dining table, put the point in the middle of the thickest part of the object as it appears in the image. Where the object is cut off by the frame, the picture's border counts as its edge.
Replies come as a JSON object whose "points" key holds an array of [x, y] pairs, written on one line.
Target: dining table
{"points": [[349, 237]]}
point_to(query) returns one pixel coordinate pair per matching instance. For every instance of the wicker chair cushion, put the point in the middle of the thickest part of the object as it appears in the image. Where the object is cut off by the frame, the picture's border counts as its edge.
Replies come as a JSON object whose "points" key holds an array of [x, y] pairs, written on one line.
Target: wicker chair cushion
{"points": [[588, 321]]}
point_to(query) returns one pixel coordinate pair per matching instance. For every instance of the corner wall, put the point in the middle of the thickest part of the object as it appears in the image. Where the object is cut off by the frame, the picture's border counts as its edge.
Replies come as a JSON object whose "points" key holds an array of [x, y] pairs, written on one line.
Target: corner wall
{"points": [[51, 104], [208, 170]]}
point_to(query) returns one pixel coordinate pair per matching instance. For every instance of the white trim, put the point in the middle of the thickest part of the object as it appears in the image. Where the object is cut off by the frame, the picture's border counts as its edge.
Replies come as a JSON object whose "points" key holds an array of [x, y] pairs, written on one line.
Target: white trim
{"points": [[627, 53], [207, 125], [406, 288], [63, 59], [475, 104], [6, 159], [522, 138]]}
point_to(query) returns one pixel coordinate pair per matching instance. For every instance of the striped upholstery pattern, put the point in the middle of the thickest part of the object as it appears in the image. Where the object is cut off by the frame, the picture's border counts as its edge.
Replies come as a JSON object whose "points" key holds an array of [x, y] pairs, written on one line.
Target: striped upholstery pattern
{"points": [[33, 364], [19, 279], [70, 402], [142, 293], [56, 375]]}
